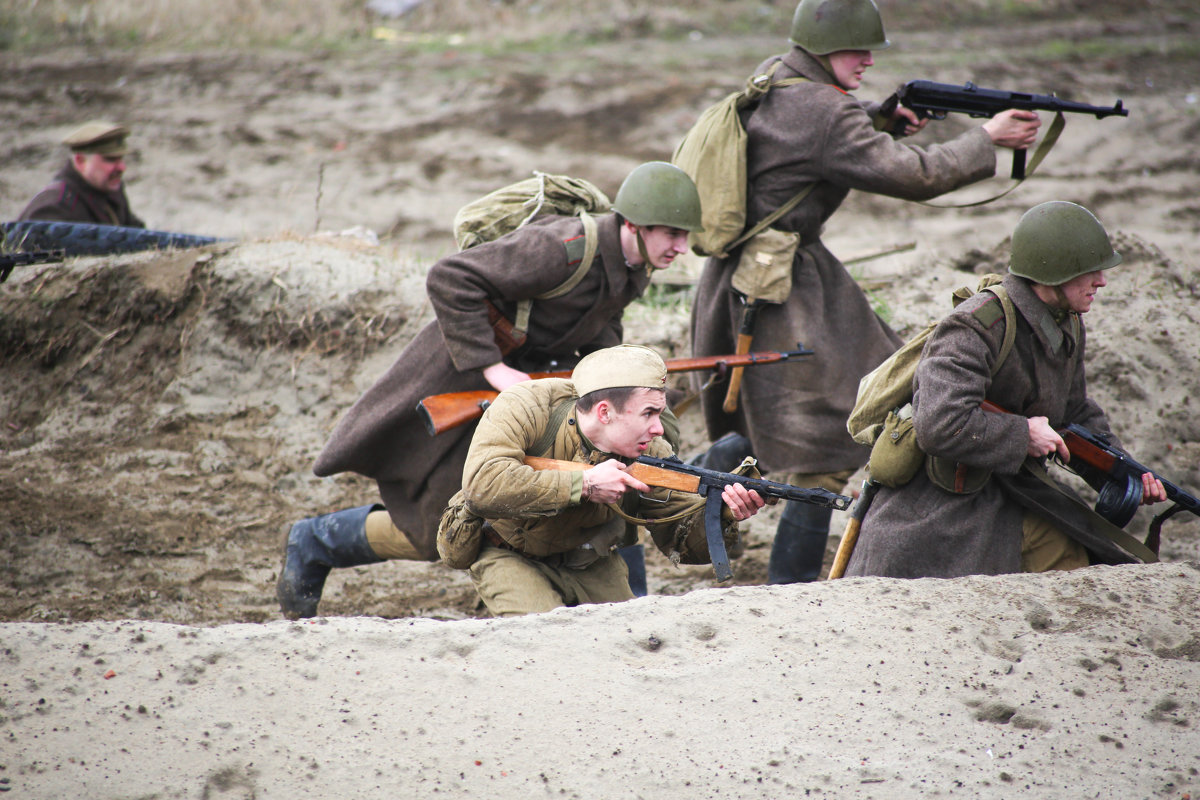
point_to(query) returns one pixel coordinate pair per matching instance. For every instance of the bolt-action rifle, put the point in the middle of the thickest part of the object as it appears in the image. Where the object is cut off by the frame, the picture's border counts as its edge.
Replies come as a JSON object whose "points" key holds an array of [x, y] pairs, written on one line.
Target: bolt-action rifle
{"points": [[87, 239], [671, 473], [934, 100], [441, 412]]}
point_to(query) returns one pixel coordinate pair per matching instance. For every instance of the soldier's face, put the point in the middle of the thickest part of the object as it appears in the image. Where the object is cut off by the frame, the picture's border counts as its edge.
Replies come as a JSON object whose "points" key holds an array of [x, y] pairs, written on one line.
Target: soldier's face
{"points": [[849, 66], [1081, 290], [629, 430], [664, 244], [100, 172]]}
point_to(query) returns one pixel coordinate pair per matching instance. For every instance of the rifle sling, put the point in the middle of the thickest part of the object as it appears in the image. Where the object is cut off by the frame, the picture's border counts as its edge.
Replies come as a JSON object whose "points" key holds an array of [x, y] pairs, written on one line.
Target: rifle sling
{"points": [[1117, 536], [1039, 154]]}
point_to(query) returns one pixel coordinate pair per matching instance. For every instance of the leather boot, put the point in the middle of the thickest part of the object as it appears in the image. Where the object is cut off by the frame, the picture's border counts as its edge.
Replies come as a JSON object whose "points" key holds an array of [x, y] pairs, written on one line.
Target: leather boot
{"points": [[635, 559], [313, 547], [799, 547]]}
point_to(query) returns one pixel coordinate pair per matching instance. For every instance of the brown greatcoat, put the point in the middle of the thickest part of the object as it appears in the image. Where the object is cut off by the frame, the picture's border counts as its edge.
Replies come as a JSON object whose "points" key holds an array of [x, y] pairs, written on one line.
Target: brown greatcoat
{"points": [[795, 417], [383, 437], [541, 512], [920, 530], [69, 198]]}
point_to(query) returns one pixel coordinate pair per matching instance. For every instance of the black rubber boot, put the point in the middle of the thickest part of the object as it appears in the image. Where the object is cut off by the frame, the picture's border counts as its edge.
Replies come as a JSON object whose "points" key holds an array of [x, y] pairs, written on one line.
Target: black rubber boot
{"points": [[313, 547], [799, 546], [725, 453], [635, 559]]}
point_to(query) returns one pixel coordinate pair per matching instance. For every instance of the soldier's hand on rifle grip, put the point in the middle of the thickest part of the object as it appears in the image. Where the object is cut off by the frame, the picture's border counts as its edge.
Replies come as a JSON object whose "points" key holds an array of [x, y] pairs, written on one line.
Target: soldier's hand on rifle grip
{"points": [[1044, 440], [1014, 129], [742, 502], [607, 482], [1153, 490]]}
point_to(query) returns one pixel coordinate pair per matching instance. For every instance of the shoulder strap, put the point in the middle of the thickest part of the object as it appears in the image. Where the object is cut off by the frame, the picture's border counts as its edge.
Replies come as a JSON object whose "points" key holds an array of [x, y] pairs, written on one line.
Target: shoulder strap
{"points": [[756, 87], [1010, 325], [557, 417], [591, 243]]}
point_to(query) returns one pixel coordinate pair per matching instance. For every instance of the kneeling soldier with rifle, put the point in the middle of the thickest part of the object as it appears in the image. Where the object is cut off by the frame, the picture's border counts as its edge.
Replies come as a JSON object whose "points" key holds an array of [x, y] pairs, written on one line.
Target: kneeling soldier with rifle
{"points": [[984, 504], [550, 534]]}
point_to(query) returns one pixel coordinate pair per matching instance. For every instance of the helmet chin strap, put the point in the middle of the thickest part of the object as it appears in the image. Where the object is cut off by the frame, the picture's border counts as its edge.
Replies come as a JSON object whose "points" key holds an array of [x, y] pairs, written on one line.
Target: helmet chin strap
{"points": [[642, 249]]}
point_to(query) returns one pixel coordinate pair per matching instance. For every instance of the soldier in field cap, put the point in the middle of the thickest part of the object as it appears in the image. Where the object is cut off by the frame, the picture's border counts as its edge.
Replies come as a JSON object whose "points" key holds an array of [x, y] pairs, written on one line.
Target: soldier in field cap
{"points": [[549, 536], [90, 186]]}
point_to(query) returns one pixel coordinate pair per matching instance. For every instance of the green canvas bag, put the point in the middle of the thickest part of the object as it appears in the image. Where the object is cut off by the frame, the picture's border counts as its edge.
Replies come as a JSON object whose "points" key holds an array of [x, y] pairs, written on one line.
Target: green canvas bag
{"points": [[713, 154]]}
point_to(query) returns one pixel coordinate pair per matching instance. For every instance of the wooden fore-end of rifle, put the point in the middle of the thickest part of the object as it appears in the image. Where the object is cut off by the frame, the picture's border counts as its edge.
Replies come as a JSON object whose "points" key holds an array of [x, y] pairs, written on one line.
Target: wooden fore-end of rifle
{"points": [[651, 476], [441, 412]]}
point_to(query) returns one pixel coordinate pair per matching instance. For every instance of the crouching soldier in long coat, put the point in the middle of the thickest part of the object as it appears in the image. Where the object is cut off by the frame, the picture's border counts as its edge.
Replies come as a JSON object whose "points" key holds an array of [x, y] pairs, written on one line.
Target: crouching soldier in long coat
{"points": [[384, 438], [815, 134], [977, 507], [549, 535]]}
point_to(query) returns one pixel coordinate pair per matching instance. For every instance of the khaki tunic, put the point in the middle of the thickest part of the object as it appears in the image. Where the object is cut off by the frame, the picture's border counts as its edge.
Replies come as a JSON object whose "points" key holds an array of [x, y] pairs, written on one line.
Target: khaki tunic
{"points": [[383, 437], [69, 198], [540, 512], [795, 416], [920, 530]]}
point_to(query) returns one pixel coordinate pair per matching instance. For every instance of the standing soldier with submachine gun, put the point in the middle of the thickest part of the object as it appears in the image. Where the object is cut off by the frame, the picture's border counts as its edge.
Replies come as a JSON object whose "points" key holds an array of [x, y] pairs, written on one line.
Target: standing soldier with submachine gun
{"points": [[808, 143]]}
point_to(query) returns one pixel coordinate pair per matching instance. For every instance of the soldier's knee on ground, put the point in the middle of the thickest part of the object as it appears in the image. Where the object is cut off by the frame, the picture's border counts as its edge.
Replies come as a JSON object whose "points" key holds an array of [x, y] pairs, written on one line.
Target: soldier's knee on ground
{"points": [[388, 541]]}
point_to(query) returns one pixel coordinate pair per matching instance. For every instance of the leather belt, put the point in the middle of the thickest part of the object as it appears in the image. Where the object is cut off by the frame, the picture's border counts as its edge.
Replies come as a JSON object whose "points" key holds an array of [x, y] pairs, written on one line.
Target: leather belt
{"points": [[494, 540]]}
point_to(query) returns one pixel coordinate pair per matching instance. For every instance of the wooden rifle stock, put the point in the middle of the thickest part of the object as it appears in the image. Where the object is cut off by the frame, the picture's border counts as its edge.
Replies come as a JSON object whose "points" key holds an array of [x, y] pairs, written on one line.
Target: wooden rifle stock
{"points": [[441, 412]]}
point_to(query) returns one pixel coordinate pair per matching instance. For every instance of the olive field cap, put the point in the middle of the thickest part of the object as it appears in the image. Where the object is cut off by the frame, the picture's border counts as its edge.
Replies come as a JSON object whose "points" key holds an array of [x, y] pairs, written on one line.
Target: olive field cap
{"points": [[822, 27], [626, 365], [658, 193], [99, 137], [1057, 241]]}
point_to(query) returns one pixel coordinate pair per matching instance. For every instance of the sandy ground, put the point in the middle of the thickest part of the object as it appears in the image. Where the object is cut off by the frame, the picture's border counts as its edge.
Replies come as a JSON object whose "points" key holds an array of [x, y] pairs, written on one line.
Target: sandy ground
{"points": [[160, 413]]}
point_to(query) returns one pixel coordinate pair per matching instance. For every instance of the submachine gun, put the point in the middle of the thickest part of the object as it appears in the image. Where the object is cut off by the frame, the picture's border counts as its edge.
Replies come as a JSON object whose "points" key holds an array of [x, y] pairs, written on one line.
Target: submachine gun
{"points": [[929, 100]]}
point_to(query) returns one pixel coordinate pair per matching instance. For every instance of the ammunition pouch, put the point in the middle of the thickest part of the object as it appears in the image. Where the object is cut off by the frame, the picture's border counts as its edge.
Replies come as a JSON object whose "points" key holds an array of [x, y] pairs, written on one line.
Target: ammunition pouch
{"points": [[764, 269], [896, 457]]}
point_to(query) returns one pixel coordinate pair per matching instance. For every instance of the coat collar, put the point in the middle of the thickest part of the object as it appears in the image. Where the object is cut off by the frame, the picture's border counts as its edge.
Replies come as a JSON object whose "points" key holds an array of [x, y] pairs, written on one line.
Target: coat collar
{"points": [[1052, 330], [805, 64]]}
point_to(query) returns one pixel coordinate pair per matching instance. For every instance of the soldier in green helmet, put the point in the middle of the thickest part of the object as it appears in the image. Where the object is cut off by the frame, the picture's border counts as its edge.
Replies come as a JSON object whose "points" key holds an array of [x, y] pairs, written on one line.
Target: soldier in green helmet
{"points": [[813, 133], [1003, 519], [383, 437]]}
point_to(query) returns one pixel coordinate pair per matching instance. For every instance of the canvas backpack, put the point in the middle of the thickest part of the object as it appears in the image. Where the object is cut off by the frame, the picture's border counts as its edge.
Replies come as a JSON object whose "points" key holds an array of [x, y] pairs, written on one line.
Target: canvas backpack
{"points": [[513, 206], [882, 413], [713, 154]]}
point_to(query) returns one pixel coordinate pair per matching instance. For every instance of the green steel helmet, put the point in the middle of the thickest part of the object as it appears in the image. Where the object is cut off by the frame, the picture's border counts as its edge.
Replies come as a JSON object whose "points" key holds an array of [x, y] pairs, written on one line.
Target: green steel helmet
{"points": [[658, 193], [1057, 241], [825, 26]]}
